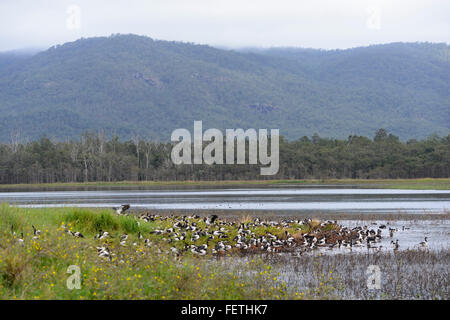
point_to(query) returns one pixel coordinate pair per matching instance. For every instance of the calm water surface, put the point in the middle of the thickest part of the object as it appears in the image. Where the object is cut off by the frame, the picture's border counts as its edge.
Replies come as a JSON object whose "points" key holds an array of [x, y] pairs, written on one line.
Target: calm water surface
{"points": [[305, 198]]}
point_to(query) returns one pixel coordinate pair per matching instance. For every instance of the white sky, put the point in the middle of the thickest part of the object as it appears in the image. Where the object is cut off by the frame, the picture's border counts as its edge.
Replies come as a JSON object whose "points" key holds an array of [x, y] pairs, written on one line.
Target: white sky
{"points": [[231, 23]]}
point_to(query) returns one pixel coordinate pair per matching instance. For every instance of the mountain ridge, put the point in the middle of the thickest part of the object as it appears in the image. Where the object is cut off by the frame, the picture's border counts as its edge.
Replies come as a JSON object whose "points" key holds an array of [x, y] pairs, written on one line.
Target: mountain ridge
{"points": [[134, 85]]}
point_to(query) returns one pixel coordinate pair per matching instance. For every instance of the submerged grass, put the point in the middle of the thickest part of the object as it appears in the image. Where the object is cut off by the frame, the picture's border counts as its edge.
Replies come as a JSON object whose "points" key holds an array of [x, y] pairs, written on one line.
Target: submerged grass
{"points": [[409, 274]]}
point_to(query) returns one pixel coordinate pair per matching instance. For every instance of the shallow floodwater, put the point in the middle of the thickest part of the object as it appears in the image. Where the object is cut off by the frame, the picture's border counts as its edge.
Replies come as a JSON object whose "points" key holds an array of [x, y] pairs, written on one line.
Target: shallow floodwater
{"points": [[305, 198], [411, 272], [408, 233]]}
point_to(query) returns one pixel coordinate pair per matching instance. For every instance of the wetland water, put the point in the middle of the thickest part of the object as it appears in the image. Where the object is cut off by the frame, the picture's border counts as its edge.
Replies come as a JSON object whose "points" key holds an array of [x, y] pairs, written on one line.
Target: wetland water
{"points": [[305, 199], [269, 202]]}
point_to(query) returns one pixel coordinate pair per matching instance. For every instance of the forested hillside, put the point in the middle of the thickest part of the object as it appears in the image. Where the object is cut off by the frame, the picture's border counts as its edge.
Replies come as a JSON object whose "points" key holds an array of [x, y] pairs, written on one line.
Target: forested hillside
{"points": [[133, 85], [10, 58]]}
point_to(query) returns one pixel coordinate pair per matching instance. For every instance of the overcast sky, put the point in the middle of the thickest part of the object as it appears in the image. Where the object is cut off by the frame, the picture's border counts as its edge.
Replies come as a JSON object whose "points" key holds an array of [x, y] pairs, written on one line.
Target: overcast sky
{"points": [[232, 23]]}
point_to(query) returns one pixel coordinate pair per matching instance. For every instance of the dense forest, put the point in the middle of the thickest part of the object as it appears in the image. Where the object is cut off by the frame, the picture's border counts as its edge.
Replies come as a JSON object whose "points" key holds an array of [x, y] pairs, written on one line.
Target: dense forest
{"points": [[93, 157], [134, 85]]}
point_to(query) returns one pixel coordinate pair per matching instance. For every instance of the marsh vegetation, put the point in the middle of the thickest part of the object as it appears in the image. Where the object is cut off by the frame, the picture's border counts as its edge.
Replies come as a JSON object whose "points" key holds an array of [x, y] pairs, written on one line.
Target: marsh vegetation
{"points": [[142, 265]]}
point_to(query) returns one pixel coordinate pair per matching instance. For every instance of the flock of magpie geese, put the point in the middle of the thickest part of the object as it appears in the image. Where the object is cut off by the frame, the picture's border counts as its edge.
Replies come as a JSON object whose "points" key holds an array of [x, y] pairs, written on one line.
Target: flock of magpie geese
{"points": [[203, 235]]}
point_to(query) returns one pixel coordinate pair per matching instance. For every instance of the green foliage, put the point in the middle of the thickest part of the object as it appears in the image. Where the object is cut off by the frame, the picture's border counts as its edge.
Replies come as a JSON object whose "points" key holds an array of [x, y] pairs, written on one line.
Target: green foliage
{"points": [[91, 221], [93, 158], [10, 219]]}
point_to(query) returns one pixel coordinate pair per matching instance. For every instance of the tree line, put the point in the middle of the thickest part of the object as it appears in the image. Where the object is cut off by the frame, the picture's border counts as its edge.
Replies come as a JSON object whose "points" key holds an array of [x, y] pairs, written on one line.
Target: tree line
{"points": [[94, 157]]}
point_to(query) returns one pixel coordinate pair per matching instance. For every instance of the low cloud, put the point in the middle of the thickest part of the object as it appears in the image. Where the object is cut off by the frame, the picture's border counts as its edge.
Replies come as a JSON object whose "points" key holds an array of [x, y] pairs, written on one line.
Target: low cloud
{"points": [[233, 23]]}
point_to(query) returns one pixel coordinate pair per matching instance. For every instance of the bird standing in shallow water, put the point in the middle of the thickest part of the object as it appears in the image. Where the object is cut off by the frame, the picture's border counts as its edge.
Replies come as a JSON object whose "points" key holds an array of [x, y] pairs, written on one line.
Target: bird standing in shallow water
{"points": [[424, 244], [395, 245]]}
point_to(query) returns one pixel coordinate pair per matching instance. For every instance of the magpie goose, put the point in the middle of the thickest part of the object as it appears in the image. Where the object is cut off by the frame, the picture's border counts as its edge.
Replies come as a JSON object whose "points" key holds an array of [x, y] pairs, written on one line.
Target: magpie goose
{"points": [[36, 232], [122, 209], [424, 244], [211, 219], [20, 240]]}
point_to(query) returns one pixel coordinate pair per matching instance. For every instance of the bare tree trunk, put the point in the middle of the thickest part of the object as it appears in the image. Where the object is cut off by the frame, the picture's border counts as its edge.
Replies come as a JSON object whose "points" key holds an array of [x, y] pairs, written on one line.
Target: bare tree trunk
{"points": [[85, 169], [15, 138]]}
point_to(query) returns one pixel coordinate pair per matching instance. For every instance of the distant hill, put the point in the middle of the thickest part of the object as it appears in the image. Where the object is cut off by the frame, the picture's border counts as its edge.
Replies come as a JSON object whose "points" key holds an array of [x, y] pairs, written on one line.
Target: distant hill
{"points": [[128, 84], [9, 58]]}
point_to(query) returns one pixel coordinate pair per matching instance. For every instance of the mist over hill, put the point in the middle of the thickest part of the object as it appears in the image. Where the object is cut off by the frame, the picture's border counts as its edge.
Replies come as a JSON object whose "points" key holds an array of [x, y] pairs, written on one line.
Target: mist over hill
{"points": [[134, 85]]}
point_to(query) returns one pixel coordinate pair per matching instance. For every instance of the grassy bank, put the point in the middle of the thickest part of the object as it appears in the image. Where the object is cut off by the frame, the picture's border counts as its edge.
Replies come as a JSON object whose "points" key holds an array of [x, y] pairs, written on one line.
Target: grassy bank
{"points": [[415, 184], [36, 267], [425, 184]]}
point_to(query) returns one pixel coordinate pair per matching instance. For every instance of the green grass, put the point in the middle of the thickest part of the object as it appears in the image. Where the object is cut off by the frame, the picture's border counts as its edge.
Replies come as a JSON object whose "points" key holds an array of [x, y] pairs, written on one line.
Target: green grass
{"points": [[425, 183], [37, 269]]}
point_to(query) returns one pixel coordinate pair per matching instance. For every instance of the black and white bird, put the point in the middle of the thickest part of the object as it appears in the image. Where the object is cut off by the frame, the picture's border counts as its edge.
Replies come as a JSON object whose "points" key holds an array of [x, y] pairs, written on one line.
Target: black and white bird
{"points": [[36, 232], [395, 245], [102, 235], [391, 232], [122, 209], [78, 235], [200, 251], [424, 243], [20, 240], [378, 236], [103, 252], [211, 219]]}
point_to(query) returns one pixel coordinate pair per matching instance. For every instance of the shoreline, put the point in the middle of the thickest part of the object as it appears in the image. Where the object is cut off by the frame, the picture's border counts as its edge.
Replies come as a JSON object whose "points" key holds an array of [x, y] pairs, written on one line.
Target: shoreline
{"points": [[411, 184], [236, 214]]}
